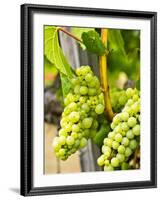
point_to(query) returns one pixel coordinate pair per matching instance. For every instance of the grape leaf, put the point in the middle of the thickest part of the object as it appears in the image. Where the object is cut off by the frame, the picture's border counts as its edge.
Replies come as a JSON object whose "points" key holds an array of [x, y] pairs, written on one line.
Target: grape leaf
{"points": [[66, 84], [54, 53], [93, 42], [48, 42], [78, 33], [48, 64], [101, 134]]}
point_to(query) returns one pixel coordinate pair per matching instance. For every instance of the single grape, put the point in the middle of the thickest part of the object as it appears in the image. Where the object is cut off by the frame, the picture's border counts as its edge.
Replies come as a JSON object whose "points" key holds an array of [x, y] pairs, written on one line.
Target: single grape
{"points": [[77, 89], [85, 107], [87, 122], [132, 122], [115, 145], [128, 152], [133, 144], [99, 109], [115, 162], [108, 142], [118, 137], [124, 116], [75, 128], [83, 90], [125, 141], [130, 134], [124, 126], [121, 149], [83, 142], [136, 130], [100, 160], [74, 116], [88, 77], [120, 157], [70, 140]]}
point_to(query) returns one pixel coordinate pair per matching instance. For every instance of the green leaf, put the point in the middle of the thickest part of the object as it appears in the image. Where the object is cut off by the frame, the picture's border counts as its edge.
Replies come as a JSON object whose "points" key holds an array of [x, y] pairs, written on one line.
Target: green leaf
{"points": [[101, 134], [116, 41], [66, 84], [78, 33], [48, 65], [93, 42], [54, 53], [49, 33]]}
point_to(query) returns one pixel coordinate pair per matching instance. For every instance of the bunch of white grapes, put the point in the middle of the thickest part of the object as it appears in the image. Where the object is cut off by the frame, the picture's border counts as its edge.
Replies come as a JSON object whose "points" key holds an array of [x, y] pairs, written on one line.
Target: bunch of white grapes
{"points": [[83, 104], [118, 99], [124, 138]]}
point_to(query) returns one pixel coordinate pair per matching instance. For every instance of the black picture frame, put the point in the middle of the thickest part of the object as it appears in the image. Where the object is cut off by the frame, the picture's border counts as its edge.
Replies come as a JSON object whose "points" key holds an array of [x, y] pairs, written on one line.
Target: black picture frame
{"points": [[27, 188]]}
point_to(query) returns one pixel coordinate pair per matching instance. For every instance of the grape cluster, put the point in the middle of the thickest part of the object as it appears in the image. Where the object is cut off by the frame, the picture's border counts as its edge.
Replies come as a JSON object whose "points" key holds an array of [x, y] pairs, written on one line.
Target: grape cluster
{"points": [[79, 122], [118, 99], [124, 138]]}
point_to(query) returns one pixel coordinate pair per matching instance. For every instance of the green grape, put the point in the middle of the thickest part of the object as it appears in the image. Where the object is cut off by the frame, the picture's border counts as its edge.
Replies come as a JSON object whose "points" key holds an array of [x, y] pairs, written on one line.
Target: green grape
{"points": [[118, 137], [129, 134], [105, 149], [125, 141], [70, 140], [77, 89], [74, 135], [136, 130], [125, 166], [87, 122], [92, 91], [132, 122], [83, 90], [62, 132], [121, 149], [75, 128], [99, 109], [129, 92], [62, 140], [133, 144], [124, 116], [61, 152], [128, 152], [115, 145], [83, 142], [108, 168], [85, 107], [88, 77], [116, 119], [108, 142], [124, 126], [72, 106], [100, 160], [111, 135], [106, 162], [115, 162], [74, 116], [120, 157]]}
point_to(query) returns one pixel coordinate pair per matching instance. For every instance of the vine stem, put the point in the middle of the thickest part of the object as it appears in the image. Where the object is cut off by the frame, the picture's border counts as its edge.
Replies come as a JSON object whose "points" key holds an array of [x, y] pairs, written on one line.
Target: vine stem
{"points": [[70, 34], [104, 77]]}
